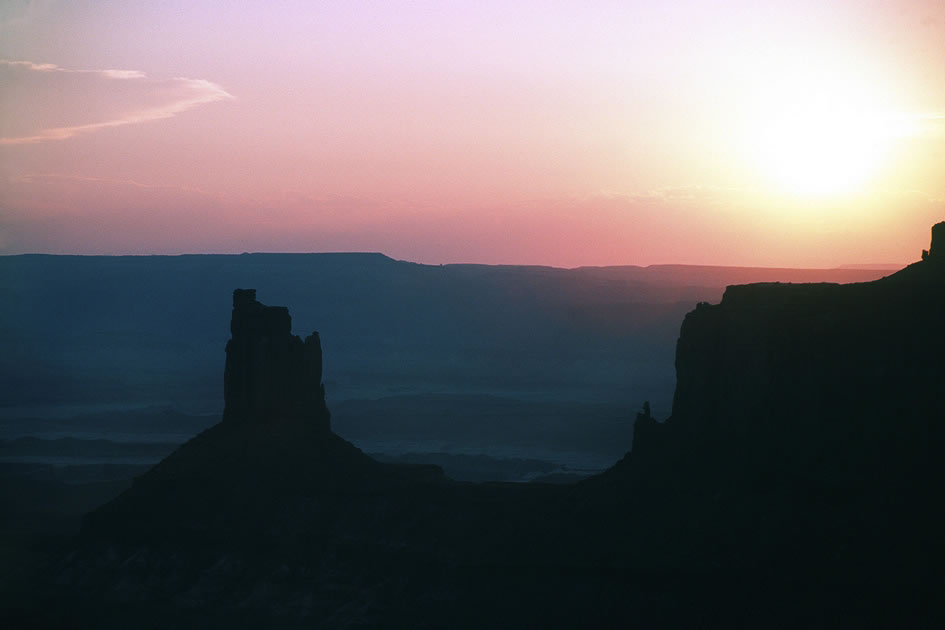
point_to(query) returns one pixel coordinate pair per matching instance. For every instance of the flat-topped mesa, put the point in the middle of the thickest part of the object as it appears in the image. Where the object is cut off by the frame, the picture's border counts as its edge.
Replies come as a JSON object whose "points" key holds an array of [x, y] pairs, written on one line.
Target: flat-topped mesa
{"points": [[271, 375]]}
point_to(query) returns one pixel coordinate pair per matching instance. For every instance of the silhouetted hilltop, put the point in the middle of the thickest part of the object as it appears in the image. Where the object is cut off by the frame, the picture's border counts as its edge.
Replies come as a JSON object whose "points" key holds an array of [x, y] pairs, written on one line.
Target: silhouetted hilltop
{"points": [[805, 441], [935, 253], [797, 484], [815, 369], [274, 442]]}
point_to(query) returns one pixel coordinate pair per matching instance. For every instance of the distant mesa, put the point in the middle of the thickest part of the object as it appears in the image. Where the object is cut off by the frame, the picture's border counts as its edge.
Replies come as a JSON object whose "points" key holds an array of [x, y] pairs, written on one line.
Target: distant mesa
{"points": [[271, 375]]}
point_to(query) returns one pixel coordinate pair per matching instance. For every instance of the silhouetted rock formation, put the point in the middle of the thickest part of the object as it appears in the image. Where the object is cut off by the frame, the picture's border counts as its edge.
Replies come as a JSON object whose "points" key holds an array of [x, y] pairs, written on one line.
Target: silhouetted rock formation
{"points": [[271, 375], [798, 483], [815, 365], [805, 441], [273, 444], [936, 251]]}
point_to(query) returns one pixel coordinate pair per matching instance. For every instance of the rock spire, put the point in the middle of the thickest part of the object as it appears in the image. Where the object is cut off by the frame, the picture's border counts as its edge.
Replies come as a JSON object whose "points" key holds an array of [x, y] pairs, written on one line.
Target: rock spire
{"points": [[937, 248], [271, 375]]}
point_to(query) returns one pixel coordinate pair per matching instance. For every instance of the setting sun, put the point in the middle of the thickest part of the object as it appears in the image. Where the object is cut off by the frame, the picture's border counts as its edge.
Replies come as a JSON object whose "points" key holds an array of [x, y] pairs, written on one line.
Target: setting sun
{"points": [[814, 152], [487, 132], [824, 128]]}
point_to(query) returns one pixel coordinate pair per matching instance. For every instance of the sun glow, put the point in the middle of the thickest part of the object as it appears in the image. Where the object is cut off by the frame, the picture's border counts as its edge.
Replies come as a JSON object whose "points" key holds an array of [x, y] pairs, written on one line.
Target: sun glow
{"points": [[825, 134], [815, 152]]}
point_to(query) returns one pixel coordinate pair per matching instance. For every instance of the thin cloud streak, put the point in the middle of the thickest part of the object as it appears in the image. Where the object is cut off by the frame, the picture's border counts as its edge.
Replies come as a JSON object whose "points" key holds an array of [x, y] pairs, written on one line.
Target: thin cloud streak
{"points": [[38, 67], [54, 177], [200, 92]]}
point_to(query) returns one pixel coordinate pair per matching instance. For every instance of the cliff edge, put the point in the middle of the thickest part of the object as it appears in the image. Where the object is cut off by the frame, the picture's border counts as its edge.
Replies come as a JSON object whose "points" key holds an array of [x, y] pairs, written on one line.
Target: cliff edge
{"points": [[824, 380], [805, 445]]}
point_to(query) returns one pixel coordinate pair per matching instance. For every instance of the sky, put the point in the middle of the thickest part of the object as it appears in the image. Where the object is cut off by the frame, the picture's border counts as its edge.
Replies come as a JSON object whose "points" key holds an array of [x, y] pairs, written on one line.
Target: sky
{"points": [[792, 134]]}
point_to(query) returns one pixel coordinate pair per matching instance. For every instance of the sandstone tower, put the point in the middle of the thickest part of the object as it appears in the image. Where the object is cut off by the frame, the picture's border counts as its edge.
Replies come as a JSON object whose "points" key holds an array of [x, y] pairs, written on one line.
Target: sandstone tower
{"points": [[937, 248], [271, 375]]}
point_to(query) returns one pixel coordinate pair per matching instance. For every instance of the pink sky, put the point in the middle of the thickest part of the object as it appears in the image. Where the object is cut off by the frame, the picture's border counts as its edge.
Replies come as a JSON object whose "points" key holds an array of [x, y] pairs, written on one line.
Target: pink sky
{"points": [[559, 133]]}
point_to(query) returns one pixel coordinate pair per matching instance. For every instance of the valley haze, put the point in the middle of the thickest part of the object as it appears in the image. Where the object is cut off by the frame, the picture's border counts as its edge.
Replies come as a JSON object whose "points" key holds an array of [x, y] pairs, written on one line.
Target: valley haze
{"points": [[796, 483], [462, 359]]}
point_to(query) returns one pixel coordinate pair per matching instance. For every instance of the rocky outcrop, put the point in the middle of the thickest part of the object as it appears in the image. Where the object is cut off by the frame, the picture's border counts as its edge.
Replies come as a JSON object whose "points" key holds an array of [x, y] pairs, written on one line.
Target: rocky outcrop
{"points": [[273, 445], [816, 370], [936, 251], [806, 438], [797, 484], [271, 375]]}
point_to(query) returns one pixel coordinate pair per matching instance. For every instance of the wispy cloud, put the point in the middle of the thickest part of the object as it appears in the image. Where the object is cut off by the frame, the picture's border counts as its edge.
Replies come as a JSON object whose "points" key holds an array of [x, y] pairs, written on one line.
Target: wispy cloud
{"points": [[46, 178], [169, 98], [38, 67]]}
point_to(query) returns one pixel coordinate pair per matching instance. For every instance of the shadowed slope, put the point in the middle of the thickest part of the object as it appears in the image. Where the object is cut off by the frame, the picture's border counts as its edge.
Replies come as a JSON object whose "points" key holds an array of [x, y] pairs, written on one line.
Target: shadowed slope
{"points": [[273, 445], [797, 484], [804, 448]]}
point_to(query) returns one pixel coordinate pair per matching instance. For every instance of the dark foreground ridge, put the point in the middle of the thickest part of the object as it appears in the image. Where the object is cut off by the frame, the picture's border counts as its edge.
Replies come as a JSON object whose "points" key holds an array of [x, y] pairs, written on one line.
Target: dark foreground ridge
{"points": [[798, 483]]}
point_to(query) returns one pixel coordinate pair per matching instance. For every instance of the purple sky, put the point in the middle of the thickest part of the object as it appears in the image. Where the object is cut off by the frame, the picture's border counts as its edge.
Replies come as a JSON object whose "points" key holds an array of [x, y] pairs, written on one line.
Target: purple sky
{"points": [[568, 133]]}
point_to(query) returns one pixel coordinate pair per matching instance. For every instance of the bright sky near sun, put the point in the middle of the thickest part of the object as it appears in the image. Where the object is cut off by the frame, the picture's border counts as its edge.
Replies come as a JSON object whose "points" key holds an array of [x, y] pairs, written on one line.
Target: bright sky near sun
{"points": [[806, 133]]}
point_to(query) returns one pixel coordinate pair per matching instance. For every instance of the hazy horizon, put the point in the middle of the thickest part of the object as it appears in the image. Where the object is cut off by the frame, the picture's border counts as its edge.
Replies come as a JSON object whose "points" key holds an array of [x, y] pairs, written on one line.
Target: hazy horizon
{"points": [[869, 266]]}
